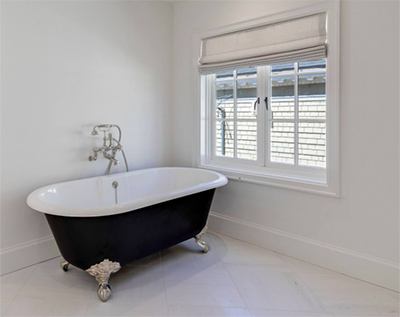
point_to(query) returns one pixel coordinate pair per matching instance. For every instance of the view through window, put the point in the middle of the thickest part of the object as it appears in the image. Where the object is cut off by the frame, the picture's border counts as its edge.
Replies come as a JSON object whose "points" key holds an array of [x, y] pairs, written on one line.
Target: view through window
{"points": [[289, 100]]}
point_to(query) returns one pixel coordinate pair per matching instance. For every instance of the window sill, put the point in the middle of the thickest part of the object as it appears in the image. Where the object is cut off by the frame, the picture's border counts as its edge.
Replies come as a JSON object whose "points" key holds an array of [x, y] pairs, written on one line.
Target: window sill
{"points": [[269, 178]]}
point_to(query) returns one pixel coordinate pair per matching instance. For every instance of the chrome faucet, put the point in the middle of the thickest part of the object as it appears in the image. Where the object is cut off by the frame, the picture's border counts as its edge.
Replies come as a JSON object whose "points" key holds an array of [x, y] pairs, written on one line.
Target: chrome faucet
{"points": [[110, 147]]}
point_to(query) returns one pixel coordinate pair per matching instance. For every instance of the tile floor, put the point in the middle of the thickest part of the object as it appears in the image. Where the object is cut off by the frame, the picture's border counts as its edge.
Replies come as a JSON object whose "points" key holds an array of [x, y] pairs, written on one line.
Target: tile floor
{"points": [[233, 279]]}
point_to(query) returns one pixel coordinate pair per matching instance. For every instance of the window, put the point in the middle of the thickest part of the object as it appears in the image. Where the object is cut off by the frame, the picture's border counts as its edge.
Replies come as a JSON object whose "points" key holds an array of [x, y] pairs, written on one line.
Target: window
{"points": [[271, 115]]}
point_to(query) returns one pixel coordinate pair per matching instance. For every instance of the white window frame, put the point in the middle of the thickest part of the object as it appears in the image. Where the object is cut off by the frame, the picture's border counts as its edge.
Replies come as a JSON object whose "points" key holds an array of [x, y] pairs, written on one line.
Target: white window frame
{"points": [[324, 182]]}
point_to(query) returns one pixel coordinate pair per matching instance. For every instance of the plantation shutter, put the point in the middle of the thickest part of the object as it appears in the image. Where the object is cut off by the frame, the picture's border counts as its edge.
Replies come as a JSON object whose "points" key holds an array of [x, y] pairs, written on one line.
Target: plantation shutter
{"points": [[302, 38]]}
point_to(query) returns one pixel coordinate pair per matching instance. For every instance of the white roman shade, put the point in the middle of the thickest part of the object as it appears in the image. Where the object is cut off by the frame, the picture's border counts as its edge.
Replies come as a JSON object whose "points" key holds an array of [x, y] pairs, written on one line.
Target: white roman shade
{"points": [[296, 39]]}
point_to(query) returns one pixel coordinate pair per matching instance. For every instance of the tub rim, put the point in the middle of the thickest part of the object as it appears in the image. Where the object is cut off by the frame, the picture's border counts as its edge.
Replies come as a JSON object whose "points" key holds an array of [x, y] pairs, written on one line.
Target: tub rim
{"points": [[35, 203]]}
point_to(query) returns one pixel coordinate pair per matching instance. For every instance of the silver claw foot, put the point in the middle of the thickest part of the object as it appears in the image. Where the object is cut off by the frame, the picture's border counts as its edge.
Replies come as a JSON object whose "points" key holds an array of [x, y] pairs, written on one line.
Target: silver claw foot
{"points": [[104, 292], [102, 272], [64, 265], [200, 242]]}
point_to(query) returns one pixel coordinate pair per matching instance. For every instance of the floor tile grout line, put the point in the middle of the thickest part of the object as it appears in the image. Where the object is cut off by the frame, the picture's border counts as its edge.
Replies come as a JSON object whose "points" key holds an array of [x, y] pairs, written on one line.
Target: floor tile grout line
{"points": [[237, 287], [26, 267], [305, 288]]}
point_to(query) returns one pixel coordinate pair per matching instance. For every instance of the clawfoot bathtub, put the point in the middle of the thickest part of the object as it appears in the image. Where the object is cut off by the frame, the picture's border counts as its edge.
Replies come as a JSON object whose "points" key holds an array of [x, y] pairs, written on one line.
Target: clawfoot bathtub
{"points": [[102, 223]]}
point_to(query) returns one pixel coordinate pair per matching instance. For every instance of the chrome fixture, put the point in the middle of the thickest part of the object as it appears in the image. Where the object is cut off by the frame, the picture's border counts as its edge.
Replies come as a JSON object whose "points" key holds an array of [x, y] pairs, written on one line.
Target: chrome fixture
{"points": [[102, 272], [200, 242], [64, 265], [110, 147]]}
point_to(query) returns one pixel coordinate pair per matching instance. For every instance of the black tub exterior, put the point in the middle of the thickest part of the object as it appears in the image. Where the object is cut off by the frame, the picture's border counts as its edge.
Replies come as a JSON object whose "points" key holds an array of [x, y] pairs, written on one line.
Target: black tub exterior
{"points": [[85, 241]]}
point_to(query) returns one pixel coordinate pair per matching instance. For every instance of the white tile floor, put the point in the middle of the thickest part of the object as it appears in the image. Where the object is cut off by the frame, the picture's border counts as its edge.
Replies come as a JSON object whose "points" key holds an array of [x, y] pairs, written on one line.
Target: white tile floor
{"points": [[233, 279]]}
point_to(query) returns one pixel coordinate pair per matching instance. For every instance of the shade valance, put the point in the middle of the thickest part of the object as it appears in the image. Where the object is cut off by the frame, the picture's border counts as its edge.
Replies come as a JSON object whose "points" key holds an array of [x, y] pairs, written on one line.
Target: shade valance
{"points": [[295, 39]]}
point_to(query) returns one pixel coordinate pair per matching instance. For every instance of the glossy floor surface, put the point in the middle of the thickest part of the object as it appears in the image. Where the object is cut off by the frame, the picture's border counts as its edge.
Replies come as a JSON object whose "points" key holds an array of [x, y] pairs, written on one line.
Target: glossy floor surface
{"points": [[233, 279]]}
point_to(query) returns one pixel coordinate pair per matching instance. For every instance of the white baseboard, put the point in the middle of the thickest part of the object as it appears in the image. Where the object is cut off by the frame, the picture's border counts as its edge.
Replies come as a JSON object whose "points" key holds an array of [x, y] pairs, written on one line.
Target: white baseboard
{"points": [[362, 266], [27, 253]]}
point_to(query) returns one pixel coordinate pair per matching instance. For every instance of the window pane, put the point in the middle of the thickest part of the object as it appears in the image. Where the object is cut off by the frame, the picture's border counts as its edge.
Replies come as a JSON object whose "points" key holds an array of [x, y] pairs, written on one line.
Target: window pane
{"points": [[282, 69], [246, 92], [312, 107], [247, 140], [312, 66], [246, 96], [312, 98], [312, 144], [224, 138], [246, 72], [282, 142], [282, 101], [224, 91]]}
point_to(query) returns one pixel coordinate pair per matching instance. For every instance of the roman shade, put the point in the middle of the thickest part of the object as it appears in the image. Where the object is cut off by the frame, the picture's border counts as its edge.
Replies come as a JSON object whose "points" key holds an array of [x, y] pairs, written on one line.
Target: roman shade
{"points": [[296, 39]]}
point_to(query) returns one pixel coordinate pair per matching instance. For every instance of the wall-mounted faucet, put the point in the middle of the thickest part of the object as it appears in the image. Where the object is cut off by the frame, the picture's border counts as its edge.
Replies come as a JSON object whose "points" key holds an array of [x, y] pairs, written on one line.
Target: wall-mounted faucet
{"points": [[110, 147]]}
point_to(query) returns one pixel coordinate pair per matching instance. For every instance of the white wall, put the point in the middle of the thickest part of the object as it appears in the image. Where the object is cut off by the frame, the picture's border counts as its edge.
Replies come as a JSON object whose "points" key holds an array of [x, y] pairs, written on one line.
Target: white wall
{"points": [[67, 65], [357, 234]]}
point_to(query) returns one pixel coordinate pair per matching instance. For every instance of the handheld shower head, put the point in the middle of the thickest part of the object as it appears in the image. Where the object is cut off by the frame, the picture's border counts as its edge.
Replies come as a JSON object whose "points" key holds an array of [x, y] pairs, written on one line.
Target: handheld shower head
{"points": [[94, 131], [101, 127]]}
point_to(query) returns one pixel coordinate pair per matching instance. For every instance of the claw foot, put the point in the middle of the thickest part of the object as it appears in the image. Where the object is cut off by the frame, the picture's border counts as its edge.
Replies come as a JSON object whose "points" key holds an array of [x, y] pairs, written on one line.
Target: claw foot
{"points": [[102, 272], [104, 292], [202, 244], [64, 265]]}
